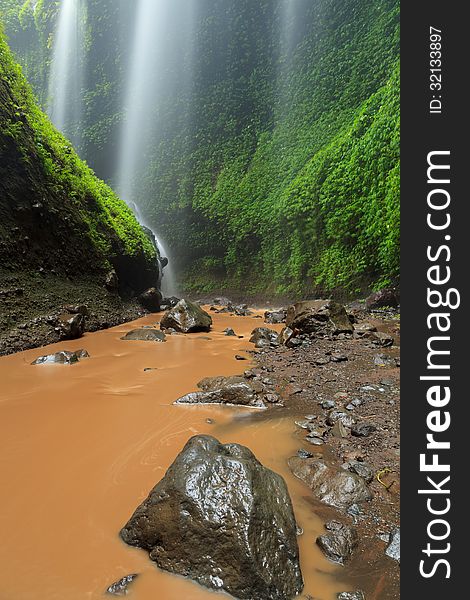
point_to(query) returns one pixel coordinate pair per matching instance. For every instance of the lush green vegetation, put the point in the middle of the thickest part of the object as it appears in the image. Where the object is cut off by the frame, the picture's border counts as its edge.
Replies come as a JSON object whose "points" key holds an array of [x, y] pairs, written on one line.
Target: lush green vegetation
{"points": [[274, 163], [38, 165]]}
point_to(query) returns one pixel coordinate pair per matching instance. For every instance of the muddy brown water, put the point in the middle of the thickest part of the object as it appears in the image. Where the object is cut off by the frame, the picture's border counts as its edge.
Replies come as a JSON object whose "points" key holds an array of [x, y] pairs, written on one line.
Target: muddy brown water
{"points": [[82, 445]]}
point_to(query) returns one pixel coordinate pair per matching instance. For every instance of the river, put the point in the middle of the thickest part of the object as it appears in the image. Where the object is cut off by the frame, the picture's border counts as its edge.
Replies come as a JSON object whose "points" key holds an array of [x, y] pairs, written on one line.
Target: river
{"points": [[82, 445]]}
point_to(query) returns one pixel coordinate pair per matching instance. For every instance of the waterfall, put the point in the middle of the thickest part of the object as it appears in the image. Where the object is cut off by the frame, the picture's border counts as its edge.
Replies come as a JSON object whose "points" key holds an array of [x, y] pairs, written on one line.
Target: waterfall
{"points": [[146, 60], [64, 103]]}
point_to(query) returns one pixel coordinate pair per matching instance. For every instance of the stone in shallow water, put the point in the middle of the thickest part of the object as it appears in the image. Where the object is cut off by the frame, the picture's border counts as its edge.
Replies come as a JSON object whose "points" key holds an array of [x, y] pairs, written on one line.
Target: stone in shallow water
{"points": [[64, 357], [186, 317], [331, 486], [145, 335], [351, 596], [221, 518], [339, 544], [120, 588], [233, 390]]}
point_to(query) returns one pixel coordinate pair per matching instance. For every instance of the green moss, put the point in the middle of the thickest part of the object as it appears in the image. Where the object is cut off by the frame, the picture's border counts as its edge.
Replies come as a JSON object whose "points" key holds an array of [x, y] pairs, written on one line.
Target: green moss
{"points": [[111, 226]]}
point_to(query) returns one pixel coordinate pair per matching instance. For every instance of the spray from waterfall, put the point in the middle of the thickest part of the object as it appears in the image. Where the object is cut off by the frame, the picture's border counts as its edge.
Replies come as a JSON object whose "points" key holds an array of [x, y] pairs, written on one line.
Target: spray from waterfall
{"points": [[138, 128], [64, 104]]}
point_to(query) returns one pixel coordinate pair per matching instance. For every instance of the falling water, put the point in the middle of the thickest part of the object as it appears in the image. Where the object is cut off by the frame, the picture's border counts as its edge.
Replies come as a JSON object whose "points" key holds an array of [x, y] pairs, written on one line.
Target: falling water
{"points": [[64, 104], [141, 94]]}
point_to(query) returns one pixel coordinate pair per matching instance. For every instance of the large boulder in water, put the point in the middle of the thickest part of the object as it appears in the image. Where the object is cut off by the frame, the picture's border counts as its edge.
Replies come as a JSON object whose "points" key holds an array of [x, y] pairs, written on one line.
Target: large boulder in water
{"points": [[71, 326], [318, 317], [221, 518], [145, 334], [235, 390], [186, 317]]}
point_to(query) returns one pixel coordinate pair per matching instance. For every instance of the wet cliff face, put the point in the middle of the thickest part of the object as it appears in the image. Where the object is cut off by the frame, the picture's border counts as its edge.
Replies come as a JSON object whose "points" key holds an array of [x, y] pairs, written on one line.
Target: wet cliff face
{"points": [[58, 221]]}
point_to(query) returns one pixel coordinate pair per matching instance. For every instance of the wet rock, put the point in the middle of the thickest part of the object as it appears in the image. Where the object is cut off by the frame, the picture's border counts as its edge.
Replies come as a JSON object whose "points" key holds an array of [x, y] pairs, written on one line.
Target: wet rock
{"points": [[339, 415], [120, 588], [263, 337], [393, 549], [362, 469], [81, 309], [112, 281], [221, 301], [64, 357], [221, 518], [241, 310], [327, 404], [318, 317], [170, 301], [239, 357], [362, 329], [386, 298], [151, 299], [351, 596], [379, 338], [314, 440], [363, 430], [234, 390], [186, 317], [301, 453], [71, 326], [275, 316], [229, 332], [331, 486], [145, 335], [285, 336], [383, 360], [339, 544]]}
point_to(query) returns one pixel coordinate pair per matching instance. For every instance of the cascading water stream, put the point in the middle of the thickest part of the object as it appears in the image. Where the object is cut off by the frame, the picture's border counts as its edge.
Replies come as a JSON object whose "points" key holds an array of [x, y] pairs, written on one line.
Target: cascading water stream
{"points": [[141, 93], [64, 104]]}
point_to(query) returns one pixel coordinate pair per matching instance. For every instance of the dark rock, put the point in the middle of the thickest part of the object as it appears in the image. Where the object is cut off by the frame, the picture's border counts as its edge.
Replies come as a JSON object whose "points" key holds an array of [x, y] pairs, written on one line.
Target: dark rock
{"points": [[331, 486], [363, 328], [145, 335], [318, 317], [386, 298], [171, 301], [327, 404], [275, 316], [239, 357], [362, 469], [379, 338], [71, 326], [186, 317], [241, 310], [221, 518], [64, 357], [262, 337], [338, 357], [393, 549], [338, 545], [363, 430], [226, 390], [151, 299], [120, 588], [229, 332], [301, 453], [351, 596], [81, 309], [112, 281]]}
